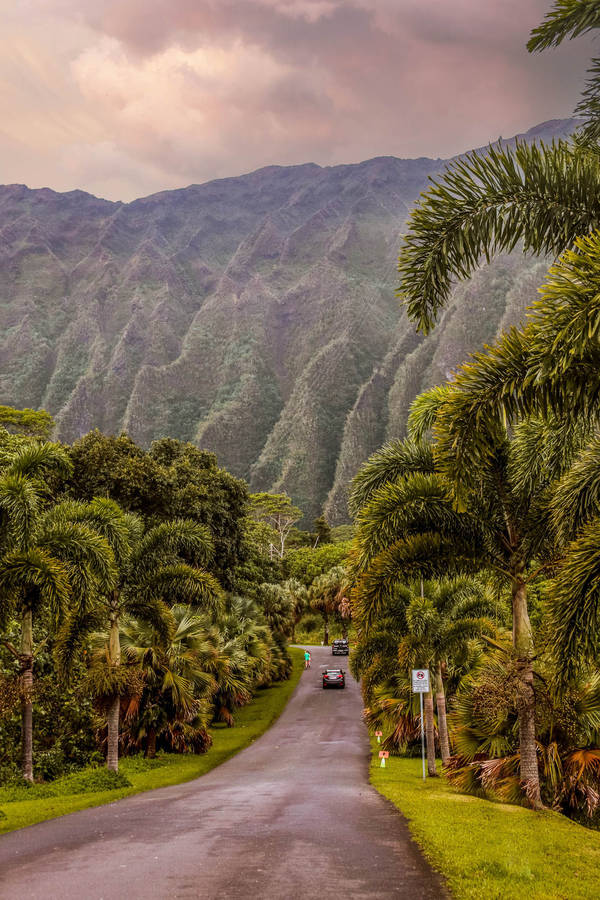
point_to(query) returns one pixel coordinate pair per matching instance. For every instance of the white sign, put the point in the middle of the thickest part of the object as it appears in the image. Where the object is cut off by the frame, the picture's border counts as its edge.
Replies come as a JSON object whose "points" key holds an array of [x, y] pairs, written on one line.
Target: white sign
{"points": [[420, 681]]}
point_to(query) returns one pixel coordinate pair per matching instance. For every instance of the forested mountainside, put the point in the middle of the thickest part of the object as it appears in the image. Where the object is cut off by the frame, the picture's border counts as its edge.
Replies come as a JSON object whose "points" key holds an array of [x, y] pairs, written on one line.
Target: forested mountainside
{"points": [[255, 316]]}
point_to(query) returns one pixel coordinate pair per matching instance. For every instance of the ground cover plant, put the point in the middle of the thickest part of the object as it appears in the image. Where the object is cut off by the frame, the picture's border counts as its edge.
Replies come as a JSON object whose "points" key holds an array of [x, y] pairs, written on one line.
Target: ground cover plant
{"points": [[22, 805]]}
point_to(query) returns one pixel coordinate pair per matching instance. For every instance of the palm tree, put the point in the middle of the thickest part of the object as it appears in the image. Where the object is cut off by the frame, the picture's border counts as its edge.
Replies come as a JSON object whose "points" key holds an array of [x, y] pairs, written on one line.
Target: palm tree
{"points": [[47, 560], [498, 519], [485, 733], [327, 595], [276, 605], [298, 597], [174, 703], [440, 622], [150, 574], [547, 197], [543, 196]]}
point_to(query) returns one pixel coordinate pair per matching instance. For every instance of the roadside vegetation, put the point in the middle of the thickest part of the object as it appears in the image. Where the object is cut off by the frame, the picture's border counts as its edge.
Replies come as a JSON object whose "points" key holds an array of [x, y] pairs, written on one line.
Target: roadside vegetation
{"points": [[146, 599], [22, 804], [477, 536]]}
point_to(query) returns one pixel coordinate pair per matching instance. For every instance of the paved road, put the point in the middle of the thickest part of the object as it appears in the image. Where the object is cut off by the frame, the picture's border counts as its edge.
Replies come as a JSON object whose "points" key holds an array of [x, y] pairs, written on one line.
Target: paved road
{"points": [[292, 816]]}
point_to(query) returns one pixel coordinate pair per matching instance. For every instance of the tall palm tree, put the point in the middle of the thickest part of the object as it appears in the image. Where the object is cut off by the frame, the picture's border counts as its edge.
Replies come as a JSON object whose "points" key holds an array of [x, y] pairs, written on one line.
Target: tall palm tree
{"points": [[47, 559], [151, 573], [497, 519]]}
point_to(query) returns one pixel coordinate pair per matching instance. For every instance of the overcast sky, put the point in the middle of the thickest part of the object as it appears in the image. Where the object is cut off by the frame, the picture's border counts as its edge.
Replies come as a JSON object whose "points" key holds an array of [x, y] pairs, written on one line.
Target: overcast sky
{"points": [[125, 97]]}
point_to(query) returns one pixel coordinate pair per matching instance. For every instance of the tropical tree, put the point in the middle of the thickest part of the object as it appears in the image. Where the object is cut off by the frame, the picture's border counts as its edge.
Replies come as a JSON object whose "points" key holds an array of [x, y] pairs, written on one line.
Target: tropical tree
{"points": [[496, 519], [485, 733], [151, 574], [279, 513], [240, 655], [48, 560], [174, 703], [298, 598], [440, 623], [327, 595], [548, 198], [276, 604]]}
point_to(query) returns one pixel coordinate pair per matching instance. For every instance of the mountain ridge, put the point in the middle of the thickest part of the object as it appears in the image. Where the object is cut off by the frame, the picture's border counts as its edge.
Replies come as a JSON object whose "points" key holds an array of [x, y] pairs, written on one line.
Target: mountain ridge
{"points": [[254, 315]]}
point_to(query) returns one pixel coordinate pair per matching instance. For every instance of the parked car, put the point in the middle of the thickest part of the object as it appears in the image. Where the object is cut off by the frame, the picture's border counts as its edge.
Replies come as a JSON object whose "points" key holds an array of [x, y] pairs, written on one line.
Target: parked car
{"points": [[334, 678], [340, 647]]}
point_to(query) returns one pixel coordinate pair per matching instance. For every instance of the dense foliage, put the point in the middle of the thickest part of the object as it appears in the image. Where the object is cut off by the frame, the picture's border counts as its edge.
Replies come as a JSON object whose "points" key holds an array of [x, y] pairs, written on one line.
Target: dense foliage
{"points": [[499, 483]]}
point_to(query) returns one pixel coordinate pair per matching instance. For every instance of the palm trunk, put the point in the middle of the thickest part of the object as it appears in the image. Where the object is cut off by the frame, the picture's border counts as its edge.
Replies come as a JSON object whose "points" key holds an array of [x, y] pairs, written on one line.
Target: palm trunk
{"points": [[26, 677], [440, 699], [325, 629], [112, 742], [523, 644], [430, 735], [112, 718], [151, 743]]}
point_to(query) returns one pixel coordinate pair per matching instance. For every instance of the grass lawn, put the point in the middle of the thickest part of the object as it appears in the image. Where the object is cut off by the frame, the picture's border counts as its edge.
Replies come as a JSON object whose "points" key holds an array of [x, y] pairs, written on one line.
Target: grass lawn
{"points": [[492, 851], [80, 791]]}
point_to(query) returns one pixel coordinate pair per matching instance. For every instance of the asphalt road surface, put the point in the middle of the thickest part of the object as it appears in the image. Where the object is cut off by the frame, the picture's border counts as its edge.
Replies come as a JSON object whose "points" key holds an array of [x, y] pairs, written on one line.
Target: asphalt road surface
{"points": [[292, 816]]}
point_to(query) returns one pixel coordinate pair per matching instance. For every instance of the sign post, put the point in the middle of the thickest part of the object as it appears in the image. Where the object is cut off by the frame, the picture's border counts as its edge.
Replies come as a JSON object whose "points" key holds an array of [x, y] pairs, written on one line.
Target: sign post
{"points": [[420, 686], [383, 755], [378, 735]]}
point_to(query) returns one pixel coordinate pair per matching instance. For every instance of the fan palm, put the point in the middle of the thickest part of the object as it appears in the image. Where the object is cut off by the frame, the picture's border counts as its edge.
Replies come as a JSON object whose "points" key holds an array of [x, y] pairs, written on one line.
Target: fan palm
{"points": [[173, 705], [47, 559], [485, 727], [151, 573], [298, 597]]}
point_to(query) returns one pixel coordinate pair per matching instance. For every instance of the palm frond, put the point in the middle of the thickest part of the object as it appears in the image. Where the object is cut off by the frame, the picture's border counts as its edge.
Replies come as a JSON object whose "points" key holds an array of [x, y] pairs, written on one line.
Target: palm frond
{"points": [[545, 196], [392, 461], [424, 410], [173, 538], [180, 583], [39, 576], [574, 597], [20, 505], [576, 498], [566, 20], [414, 504], [35, 460]]}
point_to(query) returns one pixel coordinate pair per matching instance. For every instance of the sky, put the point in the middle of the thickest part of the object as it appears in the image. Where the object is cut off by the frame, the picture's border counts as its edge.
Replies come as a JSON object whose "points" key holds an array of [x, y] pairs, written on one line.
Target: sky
{"points": [[123, 98]]}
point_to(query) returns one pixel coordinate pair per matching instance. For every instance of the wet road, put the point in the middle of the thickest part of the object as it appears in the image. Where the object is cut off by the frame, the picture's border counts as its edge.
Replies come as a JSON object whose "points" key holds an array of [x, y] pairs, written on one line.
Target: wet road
{"points": [[292, 816]]}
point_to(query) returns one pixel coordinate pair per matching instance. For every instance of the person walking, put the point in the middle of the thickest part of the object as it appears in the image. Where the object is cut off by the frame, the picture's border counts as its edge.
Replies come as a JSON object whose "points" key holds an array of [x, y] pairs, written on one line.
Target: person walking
{"points": [[306, 659]]}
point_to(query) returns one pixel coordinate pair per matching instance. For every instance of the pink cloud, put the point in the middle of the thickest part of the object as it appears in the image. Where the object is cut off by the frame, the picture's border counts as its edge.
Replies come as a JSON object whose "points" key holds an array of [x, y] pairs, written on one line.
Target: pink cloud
{"points": [[194, 89]]}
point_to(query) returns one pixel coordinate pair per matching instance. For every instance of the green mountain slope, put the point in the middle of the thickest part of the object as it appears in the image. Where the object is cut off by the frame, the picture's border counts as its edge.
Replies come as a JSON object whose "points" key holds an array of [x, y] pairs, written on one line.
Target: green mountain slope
{"points": [[255, 316]]}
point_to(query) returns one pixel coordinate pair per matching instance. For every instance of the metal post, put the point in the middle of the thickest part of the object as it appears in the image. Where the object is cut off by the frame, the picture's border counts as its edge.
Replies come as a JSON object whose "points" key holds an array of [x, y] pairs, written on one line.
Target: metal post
{"points": [[422, 736]]}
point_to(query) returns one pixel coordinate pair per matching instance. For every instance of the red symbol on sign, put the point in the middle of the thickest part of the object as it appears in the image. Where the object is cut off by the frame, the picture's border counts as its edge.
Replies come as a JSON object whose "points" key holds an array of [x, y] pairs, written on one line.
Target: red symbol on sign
{"points": [[384, 754], [420, 674], [378, 733]]}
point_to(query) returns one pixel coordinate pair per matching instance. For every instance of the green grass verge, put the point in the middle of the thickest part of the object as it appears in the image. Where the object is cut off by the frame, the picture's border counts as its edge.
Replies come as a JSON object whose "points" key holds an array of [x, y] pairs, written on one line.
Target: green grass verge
{"points": [[491, 851], [80, 791]]}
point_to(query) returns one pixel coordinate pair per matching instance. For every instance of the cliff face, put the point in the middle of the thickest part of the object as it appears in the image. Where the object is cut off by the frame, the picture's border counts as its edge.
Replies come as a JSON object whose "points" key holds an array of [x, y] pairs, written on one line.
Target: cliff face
{"points": [[255, 316]]}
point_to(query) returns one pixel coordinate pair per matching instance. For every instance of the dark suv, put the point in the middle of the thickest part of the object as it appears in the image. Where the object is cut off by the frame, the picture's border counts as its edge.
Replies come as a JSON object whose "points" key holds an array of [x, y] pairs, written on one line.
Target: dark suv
{"points": [[340, 647]]}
